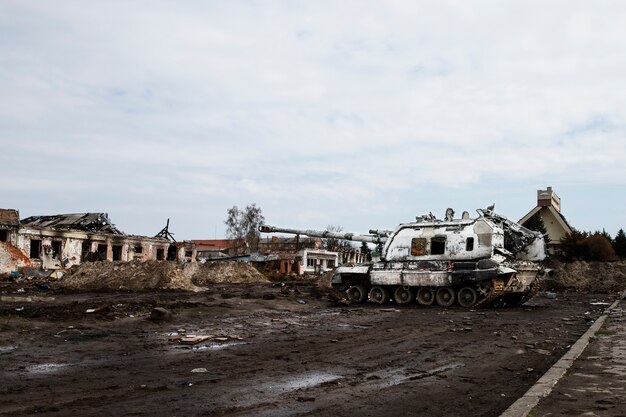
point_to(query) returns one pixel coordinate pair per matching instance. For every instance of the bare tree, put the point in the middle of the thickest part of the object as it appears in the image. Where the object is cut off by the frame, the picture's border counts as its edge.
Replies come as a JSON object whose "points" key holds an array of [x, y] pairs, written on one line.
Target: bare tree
{"points": [[334, 244], [244, 224]]}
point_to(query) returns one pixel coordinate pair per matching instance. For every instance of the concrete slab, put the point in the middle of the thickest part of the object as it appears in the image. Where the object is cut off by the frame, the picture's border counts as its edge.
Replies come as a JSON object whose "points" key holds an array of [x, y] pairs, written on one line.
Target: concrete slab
{"points": [[545, 385]]}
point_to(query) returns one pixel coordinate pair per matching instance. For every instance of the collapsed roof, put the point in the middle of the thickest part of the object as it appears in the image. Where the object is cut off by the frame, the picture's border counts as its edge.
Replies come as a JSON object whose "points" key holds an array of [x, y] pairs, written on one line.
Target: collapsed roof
{"points": [[87, 222]]}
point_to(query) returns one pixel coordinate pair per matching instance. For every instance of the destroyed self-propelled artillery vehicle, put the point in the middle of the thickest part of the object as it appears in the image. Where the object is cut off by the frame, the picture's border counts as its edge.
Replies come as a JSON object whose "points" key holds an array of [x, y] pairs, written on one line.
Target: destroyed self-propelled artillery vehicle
{"points": [[469, 261]]}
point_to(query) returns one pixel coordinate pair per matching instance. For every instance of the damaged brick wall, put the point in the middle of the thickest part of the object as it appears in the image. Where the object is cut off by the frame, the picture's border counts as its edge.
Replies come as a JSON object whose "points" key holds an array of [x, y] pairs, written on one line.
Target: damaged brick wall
{"points": [[12, 259]]}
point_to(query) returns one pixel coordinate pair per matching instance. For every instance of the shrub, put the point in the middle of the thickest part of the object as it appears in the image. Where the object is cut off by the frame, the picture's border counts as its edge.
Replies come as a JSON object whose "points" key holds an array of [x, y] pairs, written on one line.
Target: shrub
{"points": [[571, 247], [597, 248]]}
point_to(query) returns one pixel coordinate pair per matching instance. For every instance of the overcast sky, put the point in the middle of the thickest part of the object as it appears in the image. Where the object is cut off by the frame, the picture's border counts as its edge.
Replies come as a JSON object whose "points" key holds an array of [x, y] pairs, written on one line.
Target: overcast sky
{"points": [[362, 114]]}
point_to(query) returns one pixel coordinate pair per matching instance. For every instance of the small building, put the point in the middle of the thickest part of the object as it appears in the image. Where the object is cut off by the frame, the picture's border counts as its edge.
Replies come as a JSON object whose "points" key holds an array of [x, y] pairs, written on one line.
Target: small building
{"points": [[317, 261], [284, 263], [548, 209], [304, 255]]}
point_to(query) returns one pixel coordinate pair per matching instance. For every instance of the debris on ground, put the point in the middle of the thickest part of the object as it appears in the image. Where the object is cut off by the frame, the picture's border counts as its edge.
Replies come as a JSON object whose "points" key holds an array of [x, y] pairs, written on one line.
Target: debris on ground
{"points": [[160, 314], [100, 309], [194, 339]]}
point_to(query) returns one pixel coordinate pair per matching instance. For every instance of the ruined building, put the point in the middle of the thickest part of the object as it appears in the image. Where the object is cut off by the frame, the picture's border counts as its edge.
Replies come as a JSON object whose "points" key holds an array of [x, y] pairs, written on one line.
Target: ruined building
{"points": [[60, 241]]}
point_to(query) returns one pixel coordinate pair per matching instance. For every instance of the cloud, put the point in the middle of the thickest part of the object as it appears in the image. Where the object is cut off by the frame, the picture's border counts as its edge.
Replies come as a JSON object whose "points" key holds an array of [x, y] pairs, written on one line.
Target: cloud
{"points": [[309, 109]]}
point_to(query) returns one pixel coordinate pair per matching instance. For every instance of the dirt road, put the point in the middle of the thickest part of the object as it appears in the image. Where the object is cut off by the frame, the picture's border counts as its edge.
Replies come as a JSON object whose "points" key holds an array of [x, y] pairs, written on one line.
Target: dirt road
{"points": [[275, 350]]}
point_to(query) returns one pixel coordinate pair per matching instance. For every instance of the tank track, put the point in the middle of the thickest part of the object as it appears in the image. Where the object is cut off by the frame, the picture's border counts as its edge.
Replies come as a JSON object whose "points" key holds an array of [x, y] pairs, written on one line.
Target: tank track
{"points": [[497, 290], [534, 290]]}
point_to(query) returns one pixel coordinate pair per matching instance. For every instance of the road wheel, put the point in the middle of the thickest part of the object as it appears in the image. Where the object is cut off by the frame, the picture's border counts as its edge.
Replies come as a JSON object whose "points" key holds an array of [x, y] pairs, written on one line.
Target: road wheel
{"points": [[403, 295], [356, 293], [379, 295], [485, 288], [467, 297], [425, 296], [445, 296]]}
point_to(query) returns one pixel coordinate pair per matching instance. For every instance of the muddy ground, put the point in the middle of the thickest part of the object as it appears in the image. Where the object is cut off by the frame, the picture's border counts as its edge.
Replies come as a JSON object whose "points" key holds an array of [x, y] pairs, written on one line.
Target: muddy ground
{"points": [[274, 350]]}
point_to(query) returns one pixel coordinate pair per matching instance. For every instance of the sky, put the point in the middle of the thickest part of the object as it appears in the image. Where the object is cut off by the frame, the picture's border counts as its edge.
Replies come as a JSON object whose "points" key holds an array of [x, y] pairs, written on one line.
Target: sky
{"points": [[358, 114]]}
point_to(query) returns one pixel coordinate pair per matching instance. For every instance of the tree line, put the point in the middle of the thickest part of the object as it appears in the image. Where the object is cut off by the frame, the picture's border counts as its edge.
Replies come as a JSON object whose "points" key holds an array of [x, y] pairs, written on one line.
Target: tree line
{"points": [[583, 245], [596, 246]]}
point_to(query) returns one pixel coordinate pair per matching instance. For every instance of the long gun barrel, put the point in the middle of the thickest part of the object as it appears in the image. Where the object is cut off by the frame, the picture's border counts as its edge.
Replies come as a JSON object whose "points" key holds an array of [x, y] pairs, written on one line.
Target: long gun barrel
{"points": [[325, 234]]}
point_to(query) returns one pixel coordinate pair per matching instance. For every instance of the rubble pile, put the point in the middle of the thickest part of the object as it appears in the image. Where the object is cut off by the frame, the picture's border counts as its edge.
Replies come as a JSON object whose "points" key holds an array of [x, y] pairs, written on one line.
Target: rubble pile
{"points": [[134, 275], [325, 281], [227, 272], [596, 277]]}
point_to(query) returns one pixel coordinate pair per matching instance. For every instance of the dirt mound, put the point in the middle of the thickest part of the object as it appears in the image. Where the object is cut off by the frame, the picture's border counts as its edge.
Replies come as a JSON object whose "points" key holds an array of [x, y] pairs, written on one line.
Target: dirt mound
{"points": [[227, 272], [599, 277], [136, 275]]}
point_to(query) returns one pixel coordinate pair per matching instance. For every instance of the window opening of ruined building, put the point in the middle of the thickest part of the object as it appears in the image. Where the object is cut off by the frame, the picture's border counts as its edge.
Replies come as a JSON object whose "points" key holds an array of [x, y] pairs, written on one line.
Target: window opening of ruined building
{"points": [[438, 246], [310, 262], [35, 249], [469, 244], [85, 248], [102, 251], [4, 235], [117, 252], [56, 247], [331, 263], [418, 246], [138, 249], [188, 254], [160, 254], [171, 253]]}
